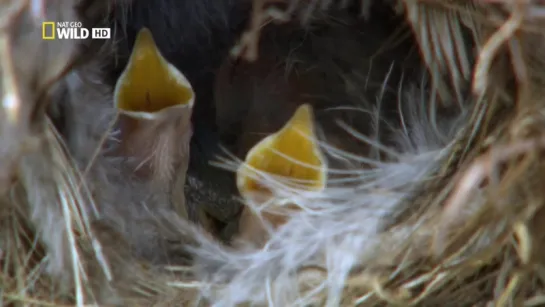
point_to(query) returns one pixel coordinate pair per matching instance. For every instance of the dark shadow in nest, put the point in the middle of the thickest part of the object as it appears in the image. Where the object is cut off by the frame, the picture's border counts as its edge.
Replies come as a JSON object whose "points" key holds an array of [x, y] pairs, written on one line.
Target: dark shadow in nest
{"points": [[341, 64]]}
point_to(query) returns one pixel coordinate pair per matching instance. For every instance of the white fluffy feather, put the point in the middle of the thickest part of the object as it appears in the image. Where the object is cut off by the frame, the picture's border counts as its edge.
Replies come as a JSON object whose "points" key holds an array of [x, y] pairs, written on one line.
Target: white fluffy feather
{"points": [[340, 227]]}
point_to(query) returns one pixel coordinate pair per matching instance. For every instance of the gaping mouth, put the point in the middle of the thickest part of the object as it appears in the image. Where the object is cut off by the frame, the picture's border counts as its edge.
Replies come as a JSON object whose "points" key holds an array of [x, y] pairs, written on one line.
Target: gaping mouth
{"points": [[149, 83], [292, 154]]}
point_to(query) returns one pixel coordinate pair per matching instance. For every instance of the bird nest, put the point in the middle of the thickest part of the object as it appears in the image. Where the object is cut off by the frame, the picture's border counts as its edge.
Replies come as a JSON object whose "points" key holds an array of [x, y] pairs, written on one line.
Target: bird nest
{"points": [[460, 201]]}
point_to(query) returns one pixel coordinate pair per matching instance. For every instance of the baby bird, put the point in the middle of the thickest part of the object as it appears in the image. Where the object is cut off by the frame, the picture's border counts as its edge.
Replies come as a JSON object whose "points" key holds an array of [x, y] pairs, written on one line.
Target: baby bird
{"points": [[132, 143], [337, 64], [194, 36], [288, 160], [155, 101]]}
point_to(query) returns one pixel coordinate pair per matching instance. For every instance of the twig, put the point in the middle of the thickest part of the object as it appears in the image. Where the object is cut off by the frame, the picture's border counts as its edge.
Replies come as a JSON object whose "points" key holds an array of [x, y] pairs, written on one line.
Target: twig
{"points": [[249, 42], [490, 49], [472, 178]]}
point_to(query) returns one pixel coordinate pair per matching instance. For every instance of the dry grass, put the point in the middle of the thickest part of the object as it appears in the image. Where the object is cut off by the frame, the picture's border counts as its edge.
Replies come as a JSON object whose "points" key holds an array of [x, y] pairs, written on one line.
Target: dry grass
{"points": [[478, 234]]}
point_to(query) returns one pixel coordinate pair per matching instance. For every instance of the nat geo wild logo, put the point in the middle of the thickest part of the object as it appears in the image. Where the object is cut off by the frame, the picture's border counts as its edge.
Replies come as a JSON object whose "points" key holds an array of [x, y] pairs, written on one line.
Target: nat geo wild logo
{"points": [[72, 30]]}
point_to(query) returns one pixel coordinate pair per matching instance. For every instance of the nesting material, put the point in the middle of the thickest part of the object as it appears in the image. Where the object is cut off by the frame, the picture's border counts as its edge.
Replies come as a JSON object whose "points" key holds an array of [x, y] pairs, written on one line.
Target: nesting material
{"points": [[36, 172], [79, 236], [447, 210]]}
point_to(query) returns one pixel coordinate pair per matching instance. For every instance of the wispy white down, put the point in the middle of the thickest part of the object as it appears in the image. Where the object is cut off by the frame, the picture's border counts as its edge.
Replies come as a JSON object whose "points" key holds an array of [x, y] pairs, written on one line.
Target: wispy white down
{"points": [[338, 229]]}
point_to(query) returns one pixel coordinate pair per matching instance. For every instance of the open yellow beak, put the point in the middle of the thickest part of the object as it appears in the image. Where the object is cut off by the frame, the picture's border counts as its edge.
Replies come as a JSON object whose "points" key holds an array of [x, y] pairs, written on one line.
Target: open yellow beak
{"points": [[291, 153], [149, 84]]}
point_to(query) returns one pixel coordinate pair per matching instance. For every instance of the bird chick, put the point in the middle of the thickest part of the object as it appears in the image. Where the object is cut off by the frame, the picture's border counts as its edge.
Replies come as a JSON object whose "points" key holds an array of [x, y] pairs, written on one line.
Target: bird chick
{"points": [[132, 143], [288, 160], [155, 101], [194, 36], [338, 64]]}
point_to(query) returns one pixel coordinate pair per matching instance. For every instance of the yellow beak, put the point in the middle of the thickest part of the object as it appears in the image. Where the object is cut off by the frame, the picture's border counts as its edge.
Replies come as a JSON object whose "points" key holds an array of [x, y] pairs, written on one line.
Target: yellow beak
{"points": [[149, 84], [291, 153]]}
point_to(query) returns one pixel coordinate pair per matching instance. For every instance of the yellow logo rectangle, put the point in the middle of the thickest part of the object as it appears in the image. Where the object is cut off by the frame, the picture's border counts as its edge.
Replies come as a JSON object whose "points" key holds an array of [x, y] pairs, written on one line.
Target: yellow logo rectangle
{"points": [[45, 25]]}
